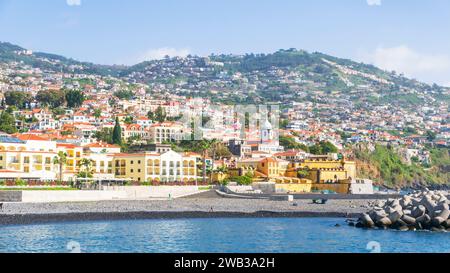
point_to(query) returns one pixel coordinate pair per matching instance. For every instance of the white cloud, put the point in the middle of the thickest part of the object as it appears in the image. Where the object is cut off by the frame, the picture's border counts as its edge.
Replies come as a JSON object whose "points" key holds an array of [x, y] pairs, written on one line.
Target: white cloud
{"points": [[374, 2], [73, 2], [160, 53], [403, 59]]}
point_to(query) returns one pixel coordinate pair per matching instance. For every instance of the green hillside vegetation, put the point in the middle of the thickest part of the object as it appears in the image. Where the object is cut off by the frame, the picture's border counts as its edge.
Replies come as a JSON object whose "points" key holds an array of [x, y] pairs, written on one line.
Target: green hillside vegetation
{"points": [[320, 148], [394, 172], [53, 62]]}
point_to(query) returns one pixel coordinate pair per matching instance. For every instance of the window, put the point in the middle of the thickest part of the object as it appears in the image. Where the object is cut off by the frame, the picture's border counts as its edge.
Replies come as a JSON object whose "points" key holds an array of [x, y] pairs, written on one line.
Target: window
{"points": [[132, 171], [139, 162], [139, 170], [132, 162]]}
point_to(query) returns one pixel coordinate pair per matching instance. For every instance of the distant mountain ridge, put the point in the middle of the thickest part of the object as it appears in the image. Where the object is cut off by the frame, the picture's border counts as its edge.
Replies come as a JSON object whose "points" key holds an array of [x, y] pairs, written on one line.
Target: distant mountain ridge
{"points": [[268, 77]]}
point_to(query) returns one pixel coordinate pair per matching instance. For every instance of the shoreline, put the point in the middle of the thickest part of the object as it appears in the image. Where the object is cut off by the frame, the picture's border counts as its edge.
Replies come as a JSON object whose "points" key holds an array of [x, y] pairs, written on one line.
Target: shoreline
{"points": [[187, 208], [33, 219]]}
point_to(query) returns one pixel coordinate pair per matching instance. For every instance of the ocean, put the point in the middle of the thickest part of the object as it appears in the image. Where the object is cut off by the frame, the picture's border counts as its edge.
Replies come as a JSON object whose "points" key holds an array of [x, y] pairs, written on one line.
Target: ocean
{"points": [[218, 235]]}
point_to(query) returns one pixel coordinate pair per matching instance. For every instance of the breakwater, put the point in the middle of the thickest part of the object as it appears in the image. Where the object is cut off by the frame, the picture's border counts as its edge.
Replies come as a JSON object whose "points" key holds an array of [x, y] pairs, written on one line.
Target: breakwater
{"points": [[421, 210]]}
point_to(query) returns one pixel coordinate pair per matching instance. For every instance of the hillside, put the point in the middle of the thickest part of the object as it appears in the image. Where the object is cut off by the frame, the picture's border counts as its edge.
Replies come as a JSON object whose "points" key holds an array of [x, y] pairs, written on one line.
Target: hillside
{"points": [[52, 62], [385, 166], [288, 75], [284, 76]]}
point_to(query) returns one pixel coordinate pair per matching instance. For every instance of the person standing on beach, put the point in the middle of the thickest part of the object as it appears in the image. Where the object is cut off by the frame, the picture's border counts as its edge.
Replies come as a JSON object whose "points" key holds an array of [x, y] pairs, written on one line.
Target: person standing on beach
{"points": [[1, 206]]}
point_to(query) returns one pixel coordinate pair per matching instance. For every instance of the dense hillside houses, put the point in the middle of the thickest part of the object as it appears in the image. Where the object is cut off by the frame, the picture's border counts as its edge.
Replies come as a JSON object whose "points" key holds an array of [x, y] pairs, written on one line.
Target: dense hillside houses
{"points": [[118, 119]]}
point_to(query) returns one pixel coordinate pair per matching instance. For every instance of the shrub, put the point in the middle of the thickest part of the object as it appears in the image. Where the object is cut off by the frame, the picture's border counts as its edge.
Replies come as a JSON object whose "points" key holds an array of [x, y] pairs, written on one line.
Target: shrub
{"points": [[20, 183], [243, 180]]}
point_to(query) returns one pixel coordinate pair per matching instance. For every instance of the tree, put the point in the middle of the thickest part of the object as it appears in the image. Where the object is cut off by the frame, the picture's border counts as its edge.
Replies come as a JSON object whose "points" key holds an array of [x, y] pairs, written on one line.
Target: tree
{"points": [[323, 148], [303, 173], [104, 135], [150, 115], [160, 114], [222, 151], [61, 161], [85, 168], [97, 113], [117, 133], [124, 94], [290, 143], [245, 180], [328, 147], [204, 146], [53, 98], [284, 124], [74, 98], [58, 111], [128, 120], [431, 136], [213, 147], [18, 99], [7, 123]]}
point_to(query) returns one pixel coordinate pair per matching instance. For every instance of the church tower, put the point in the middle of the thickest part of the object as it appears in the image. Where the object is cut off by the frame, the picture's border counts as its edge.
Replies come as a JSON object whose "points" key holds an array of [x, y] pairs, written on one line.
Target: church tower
{"points": [[266, 132]]}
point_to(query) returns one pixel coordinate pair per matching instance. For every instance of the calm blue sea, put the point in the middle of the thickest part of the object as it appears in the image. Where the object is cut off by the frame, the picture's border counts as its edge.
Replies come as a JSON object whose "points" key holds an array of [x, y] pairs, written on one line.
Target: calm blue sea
{"points": [[267, 235]]}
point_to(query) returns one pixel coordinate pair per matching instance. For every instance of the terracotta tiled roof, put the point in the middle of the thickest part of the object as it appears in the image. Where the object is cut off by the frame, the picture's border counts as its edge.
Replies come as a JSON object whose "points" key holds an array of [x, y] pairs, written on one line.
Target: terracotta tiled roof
{"points": [[101, 145], [70, 146], [27, 137]]}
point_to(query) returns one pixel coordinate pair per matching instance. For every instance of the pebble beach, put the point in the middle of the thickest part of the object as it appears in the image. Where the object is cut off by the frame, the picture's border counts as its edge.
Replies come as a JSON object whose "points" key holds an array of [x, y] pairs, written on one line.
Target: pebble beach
{"points": [[30, 213]]}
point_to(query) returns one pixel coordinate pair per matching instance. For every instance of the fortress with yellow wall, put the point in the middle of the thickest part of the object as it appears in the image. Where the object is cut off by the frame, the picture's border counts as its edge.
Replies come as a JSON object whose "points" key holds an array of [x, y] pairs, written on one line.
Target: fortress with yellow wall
{"points": [[318, 173]]}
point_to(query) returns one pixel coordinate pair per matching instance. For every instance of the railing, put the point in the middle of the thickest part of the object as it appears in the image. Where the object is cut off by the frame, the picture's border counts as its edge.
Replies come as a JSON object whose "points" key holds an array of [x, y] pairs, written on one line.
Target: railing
{"points": [[159, 183], [32, 183]]}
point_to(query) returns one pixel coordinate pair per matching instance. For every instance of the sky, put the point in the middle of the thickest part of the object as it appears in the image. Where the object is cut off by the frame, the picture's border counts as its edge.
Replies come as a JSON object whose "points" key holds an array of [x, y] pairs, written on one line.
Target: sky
{"points": [[408, 36]]}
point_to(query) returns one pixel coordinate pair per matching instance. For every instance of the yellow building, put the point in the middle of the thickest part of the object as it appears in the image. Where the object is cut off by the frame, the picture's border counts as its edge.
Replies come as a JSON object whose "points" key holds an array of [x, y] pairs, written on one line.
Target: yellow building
{"points": [[28, 156], [272, 167], [33, 157], [150, 167], [319, 173], [322, 169], [74, 155]]}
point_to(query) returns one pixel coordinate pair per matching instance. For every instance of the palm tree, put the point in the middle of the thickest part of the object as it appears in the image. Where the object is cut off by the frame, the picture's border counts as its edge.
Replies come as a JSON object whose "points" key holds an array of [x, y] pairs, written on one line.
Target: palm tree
{"points": [[61, 161], [213, 147], [86, 164], [204, 146]]}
